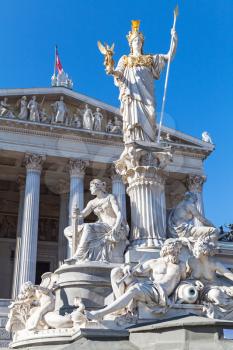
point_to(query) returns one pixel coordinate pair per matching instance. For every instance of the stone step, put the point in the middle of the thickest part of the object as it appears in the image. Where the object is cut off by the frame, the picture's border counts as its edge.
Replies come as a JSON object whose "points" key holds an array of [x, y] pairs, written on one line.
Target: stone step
{"points": [[5, 337], [4, 344]]}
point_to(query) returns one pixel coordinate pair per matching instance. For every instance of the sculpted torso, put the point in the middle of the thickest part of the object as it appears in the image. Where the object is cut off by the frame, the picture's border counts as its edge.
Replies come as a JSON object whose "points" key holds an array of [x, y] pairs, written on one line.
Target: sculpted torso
{"points": [[203, 270], [103, 209], [183, 213], [166, 274]]}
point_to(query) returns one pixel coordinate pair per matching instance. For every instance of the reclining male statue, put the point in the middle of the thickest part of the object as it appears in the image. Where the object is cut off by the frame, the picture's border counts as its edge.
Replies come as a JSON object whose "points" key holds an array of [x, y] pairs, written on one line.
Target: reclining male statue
{"points": [[162, 277]]}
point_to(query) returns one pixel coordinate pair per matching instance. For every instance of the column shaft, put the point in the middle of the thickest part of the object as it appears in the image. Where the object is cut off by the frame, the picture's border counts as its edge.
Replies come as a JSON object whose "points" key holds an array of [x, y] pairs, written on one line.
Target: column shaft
{"points": [[30, 219], [118, 189], [148, 208], [17, 261], [63, 223], [76, 200]]}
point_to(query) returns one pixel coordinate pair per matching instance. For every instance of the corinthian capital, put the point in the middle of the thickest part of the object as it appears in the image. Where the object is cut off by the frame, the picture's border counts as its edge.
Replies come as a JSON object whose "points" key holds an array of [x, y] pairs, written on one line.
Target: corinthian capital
{"points": [[77, 167], [34, 161], [114, 175], [195, 182]]}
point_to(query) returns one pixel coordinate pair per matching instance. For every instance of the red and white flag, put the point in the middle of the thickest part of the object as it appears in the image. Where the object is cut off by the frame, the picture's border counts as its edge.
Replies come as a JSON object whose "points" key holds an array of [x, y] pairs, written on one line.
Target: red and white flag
{"points": [[58, 62]]}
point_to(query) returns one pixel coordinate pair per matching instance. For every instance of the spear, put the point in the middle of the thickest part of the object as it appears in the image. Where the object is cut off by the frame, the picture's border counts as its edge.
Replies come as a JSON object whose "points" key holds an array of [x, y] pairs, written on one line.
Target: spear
{"points": [[167, 75]]}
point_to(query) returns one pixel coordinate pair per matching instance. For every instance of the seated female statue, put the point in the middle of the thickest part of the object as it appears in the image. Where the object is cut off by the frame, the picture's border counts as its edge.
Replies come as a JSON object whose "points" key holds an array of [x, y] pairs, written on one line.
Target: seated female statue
{"points": [[105, 239]]}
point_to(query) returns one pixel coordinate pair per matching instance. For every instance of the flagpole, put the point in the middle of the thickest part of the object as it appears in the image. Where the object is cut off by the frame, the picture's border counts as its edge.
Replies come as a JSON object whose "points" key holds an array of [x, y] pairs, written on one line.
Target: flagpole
{"points": [[55, 55], [167, 75]]}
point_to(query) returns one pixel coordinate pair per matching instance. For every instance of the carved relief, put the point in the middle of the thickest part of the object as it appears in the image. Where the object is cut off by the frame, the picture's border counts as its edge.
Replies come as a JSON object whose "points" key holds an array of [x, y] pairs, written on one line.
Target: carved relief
{"points": [[28, 108]]}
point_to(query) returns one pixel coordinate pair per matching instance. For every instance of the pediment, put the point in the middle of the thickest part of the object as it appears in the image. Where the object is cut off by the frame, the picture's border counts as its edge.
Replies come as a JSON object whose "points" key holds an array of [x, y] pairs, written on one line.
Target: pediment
{"points": [[76, 102]]}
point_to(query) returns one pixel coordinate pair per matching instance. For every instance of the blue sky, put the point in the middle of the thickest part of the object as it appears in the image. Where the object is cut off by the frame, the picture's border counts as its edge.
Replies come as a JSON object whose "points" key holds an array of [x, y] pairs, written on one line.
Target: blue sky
{"points": [[200, 93]]}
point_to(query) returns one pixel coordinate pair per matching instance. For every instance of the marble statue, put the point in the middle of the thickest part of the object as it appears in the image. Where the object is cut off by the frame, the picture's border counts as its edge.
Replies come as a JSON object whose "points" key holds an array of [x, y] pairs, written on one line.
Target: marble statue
{"points": [[109, 126], [97, 120], [77, 119], [206, 268], [162, 277], [180, 221], [204, 265], [44, 116], [99, 241], [62, 79], [34, 308], [134, 76], [60, 110], [117, 127], [33, 107], [5, 109], [23, 113], [87, 118], [206, 137]]}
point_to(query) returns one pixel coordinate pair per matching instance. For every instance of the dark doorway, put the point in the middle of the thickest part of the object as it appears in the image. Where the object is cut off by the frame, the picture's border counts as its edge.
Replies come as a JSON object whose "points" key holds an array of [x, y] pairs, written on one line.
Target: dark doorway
{"points": [[41, 267]]}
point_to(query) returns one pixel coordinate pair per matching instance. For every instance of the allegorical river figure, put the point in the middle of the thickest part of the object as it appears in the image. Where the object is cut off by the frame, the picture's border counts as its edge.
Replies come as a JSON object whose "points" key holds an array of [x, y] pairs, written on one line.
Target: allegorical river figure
{"points": [[134, 75]]}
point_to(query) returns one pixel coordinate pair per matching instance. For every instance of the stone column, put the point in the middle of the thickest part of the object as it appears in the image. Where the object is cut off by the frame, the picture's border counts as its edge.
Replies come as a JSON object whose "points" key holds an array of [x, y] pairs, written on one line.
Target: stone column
{"points": [[148, 207], [17, 261], [33, 163], [143, 170], [118, 189], [195, 184], [77, 171], [63, 221]]}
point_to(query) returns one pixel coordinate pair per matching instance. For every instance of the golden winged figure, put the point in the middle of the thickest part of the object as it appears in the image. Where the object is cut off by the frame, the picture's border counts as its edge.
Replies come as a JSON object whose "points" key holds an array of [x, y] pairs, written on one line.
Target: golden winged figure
{"points": [[108, 52]]}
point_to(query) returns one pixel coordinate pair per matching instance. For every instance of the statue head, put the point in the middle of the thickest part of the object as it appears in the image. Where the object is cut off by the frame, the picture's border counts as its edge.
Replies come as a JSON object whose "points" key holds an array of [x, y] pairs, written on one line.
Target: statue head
{"points": [[26, 290], [171, 250], [97, 185], [34, 98], [86, 106], [97, 109], [24, 98], [204, 247], [135, 38], [61, 98]]}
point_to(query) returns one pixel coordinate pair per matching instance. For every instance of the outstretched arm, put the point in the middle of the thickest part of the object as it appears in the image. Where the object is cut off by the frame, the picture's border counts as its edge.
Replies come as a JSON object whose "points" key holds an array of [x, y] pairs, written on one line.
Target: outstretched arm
{"points": [[195, 212]]}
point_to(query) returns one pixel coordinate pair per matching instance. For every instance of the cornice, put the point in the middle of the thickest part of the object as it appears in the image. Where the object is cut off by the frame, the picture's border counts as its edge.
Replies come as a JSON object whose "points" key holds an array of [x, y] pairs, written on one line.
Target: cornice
{"points": [[56, 131]]}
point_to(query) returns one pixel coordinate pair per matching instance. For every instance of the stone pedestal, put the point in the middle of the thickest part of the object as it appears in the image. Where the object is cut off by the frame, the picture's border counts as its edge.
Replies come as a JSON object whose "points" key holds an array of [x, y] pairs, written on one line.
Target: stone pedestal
{"points": [[178, 333], [143, 169], [33, 165], [148, 207], [89, 281], [135, 254]]}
